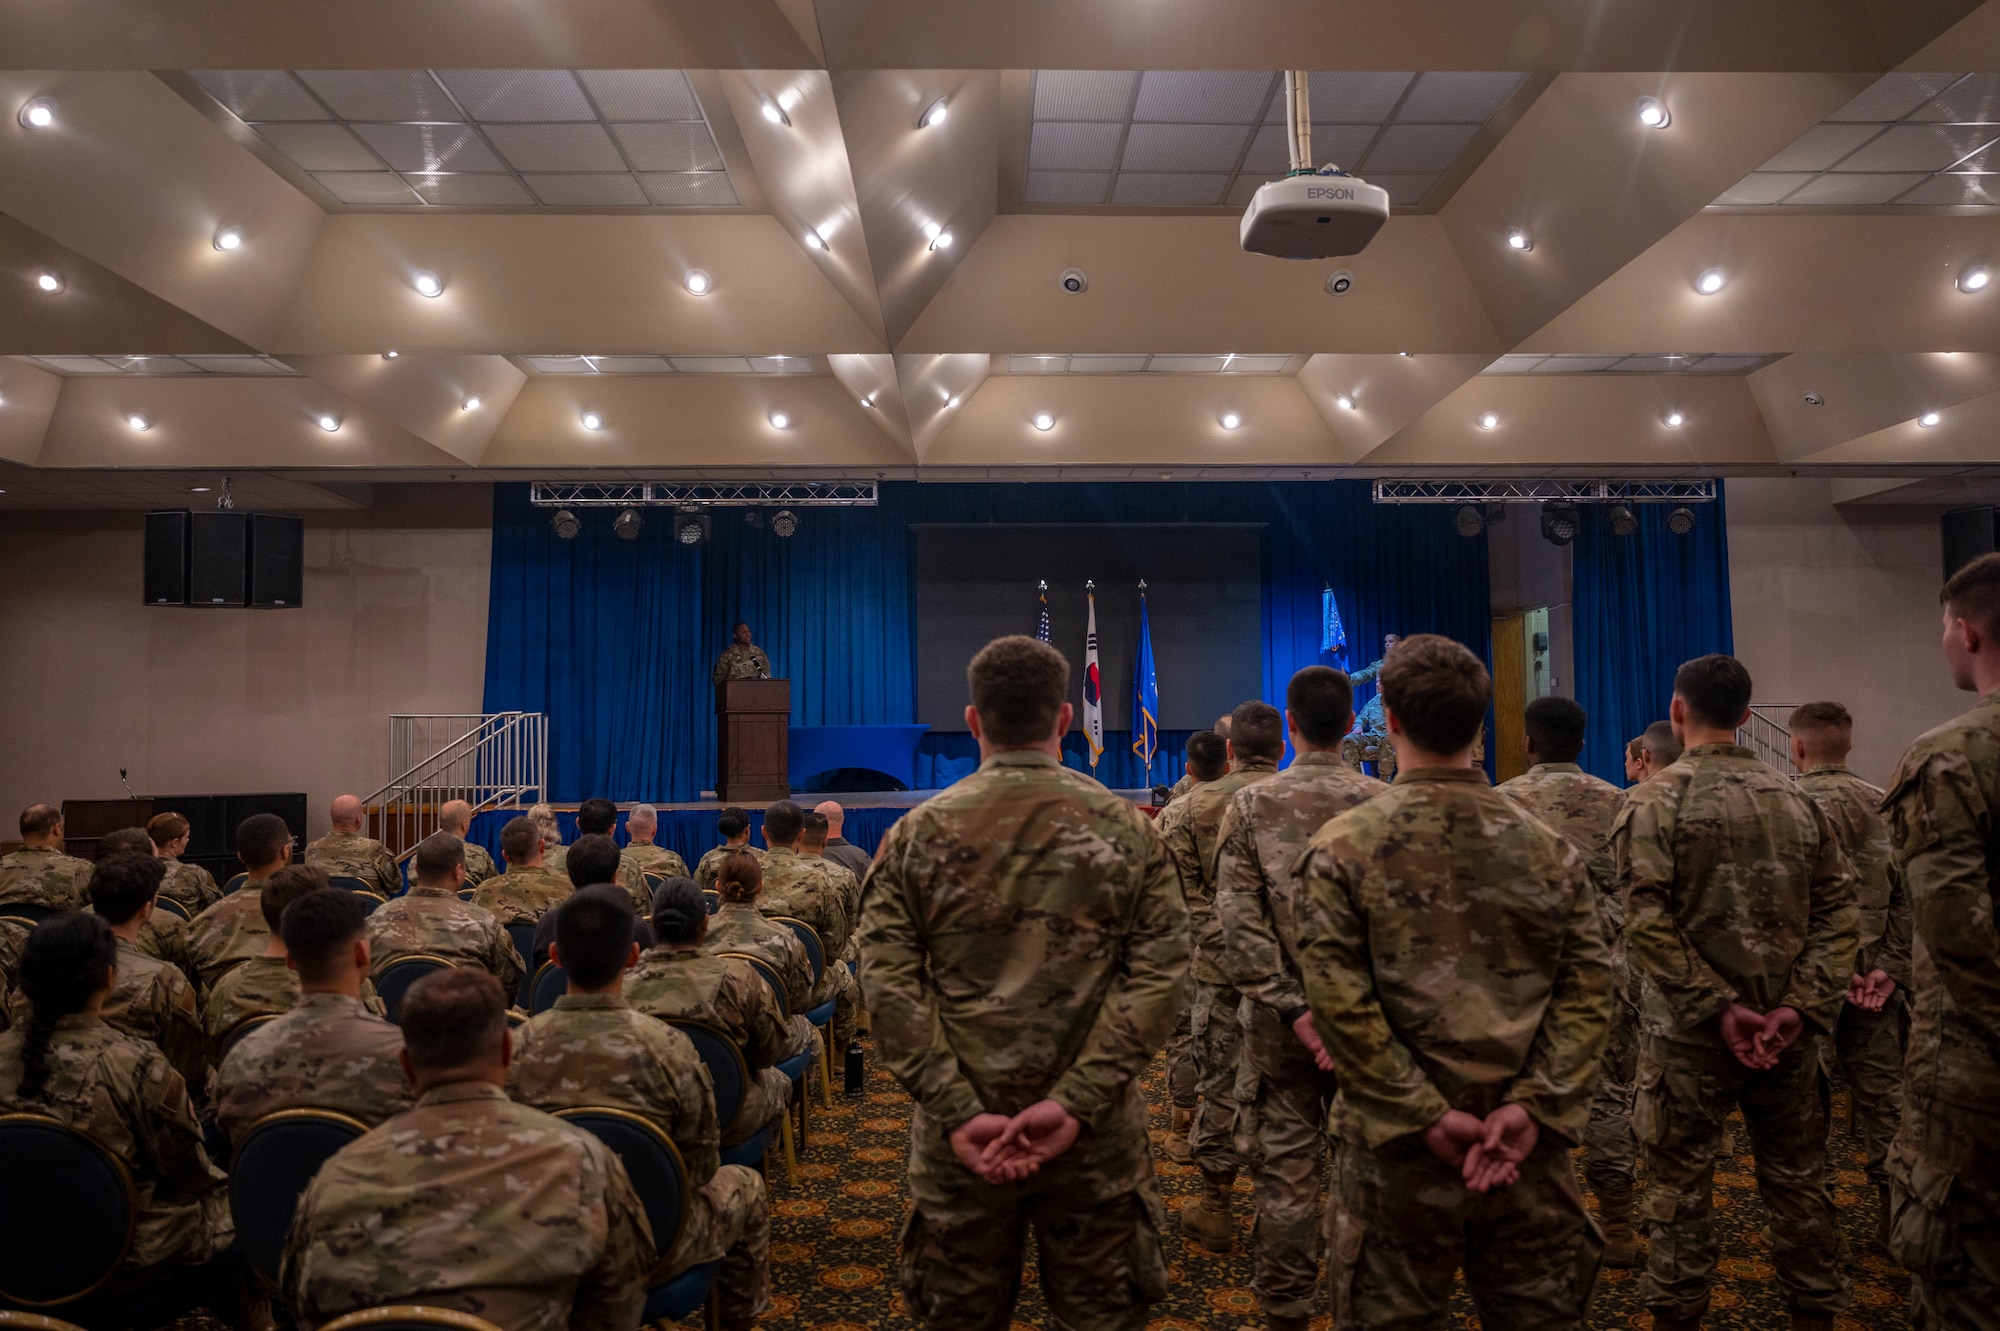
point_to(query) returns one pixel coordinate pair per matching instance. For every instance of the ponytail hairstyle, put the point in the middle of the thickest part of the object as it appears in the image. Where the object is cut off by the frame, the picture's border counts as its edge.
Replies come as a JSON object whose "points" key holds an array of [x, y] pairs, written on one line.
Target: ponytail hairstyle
{"points": [[680, 912], [739, 877], [66, 961]]}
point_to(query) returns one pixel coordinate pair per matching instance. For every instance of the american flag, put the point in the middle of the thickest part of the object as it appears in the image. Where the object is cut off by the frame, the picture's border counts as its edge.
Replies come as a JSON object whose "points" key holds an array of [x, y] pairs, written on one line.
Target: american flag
{"points": [[1042, 624]]}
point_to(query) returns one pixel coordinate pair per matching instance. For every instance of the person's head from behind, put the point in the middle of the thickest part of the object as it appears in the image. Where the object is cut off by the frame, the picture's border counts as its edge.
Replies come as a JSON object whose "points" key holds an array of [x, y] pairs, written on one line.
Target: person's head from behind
{"points": [[593, 859], [1256, 732], [169, 833], [739, 878], [124, 841], [1635, 758], [123, 885], [454, 1029], [521, 843], [1319, 707], [1435, 692], [1207, 755], [326, 941], [593, 942], [680, 912], [1660, 747], [545, 817], [455, 817], [642, 824], [440, 861], [67, 967], [782, 822], [1822, 733], [1711, 696], [42, 825], [1971, 602], [287, 886], [733, 824], [345, 813], [812, 832], [836, 817], [263, 843], [596, 816], [1020, 691], [1222, 724], [1555, 730]]}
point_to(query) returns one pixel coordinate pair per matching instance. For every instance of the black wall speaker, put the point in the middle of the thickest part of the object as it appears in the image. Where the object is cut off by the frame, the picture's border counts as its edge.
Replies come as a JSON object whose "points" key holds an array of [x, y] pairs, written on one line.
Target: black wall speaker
{"points": [[218, 568], [166, 576], [277, 561], [1968, 534]]}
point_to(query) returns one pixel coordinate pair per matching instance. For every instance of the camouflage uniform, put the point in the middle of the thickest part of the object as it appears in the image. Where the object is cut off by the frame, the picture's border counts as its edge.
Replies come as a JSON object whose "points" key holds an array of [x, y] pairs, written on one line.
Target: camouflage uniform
{"points": [[327, 1052], [152, 1001], [227, 934], [479, 865], [1181, 787], [680, 982], [522, 896], [593, 1050], [815, 891], [645, 857], [1869, 1045], [1583, 808], [1281, 1093], [555, 858], [1944, 1167], [1190, 830], [434, 922], [260, 987], [190, 885], [740, 662], [38, 876], [1022, 938], [1736, 891], [739, 927], [1453, 958], [711, 864], [352, 855], [124, 1094], [470, 1201]]}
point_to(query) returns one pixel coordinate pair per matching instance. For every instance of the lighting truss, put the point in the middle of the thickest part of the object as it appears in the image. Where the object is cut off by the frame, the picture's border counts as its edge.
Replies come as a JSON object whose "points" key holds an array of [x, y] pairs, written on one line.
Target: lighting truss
{"points": [[1545, 491], [677, 494]]}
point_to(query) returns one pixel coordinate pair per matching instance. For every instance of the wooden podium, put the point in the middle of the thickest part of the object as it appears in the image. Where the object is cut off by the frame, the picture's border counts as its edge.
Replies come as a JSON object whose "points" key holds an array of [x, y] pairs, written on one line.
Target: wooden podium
{"points": [[753, 717]]}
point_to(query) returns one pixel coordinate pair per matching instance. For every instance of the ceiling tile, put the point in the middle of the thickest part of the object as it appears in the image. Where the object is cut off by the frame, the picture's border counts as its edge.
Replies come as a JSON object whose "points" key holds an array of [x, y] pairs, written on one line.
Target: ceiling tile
{"points": [[470, 191], [1727, 364], [1576, 364], [684, 145], [1411, 149], [381, 94], [1974, 97], [642, 94], [559, 364], [1020, 364], [1820, 147], [1763, 187], [1651, 365], [263, 366], [1083, 94], [1514, 364], [363, 187], [1106, 364], [1404, 191], [260, 94], [1843, 187], [1184, 365], [1358, 97], [557, 148], [1255, 364], [76, 364], [712, 364], [518, 94], [1457, 98], [1955, 190], [1271, 155], [1070, 145], [1920, 147], [1183, 147], [632, 365], [430, 147], [690, 189], [153, 365], [1244, 189], [320, 147], [1066, 187], [782, 364], [605, 190], [1209, 96], [1894, 96], [1168, 191]]}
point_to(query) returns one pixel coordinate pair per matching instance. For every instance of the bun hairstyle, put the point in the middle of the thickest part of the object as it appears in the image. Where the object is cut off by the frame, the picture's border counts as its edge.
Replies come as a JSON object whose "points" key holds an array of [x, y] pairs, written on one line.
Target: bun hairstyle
{"points": [[66, 961], [679, 910], [739, 877]]}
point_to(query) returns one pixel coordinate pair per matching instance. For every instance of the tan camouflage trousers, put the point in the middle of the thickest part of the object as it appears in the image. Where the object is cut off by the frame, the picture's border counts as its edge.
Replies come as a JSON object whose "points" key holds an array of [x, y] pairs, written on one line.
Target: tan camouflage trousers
{"points": [[770, 1091], [1216, 1038], [1095, 1212], [729, 1220], [1868, 1048], [1945, 1229], [1403, 1225], [1282, 1099], [1610, 1154], [1183, 1082], [1685, 1093]]}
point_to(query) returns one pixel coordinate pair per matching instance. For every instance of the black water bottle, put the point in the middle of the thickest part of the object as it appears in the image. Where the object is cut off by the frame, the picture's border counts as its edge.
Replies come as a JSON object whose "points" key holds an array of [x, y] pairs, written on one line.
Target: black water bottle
{"points": [[854, 1067]]}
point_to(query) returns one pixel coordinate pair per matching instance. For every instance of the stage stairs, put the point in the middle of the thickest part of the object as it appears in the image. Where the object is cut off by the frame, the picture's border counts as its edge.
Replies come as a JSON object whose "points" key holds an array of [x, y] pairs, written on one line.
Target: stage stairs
{"points": [[493, 760]]}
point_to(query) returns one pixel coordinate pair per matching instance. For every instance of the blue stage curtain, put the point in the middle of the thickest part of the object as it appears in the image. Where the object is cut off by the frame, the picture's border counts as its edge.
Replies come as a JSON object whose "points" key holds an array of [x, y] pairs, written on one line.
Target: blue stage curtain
{"points": [[1644, 603]]}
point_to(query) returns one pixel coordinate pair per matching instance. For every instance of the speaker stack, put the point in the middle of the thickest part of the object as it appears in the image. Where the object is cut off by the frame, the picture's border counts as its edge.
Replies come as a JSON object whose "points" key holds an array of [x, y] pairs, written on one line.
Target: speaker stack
{"points": [[224, 559]]}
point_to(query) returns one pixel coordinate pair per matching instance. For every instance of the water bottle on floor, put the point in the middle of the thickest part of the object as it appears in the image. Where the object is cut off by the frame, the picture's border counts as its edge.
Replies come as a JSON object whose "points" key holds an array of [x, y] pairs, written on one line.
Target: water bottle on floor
{"points": [[854, 1067]]}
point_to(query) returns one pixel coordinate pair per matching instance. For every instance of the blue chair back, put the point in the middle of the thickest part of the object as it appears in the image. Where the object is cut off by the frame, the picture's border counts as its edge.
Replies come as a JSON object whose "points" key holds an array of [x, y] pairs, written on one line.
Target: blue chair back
{"points": [[241, 1029], [815, 950], [726, 1068], [66, 1212], [370, 898], [395, 979], [652, 1161], [235, 883], [712, 899], [770, 974], [171, 907], [551, 982], [28, 912], [279, 1155]]}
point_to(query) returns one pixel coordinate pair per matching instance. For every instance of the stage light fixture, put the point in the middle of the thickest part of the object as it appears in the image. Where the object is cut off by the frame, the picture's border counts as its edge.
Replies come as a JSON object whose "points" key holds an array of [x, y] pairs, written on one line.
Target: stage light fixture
{"points": [[1681, 521], [1928, 419], [698, 282], [565, 523], [775, 113], [1469, 519], [1231, 419], [934, 115], [1044, 421], [1518, 239], [691, 527], [1675, 419], [1653, 113], [329, 422], [784, 522], [592, 421], [229, 238], [627, 524], [1489, 421], [1623, 520], [1711, 281], [1975, 279], [40, 113], [781, 420], [1559, 523], [753, 519], [48, 279], [139, 422], [428, 284]]}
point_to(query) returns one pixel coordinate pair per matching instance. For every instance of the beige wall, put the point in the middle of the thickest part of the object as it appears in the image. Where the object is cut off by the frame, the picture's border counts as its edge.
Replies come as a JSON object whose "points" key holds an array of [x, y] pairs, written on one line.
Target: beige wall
{"points": [[219, 701], [1841, 603]]}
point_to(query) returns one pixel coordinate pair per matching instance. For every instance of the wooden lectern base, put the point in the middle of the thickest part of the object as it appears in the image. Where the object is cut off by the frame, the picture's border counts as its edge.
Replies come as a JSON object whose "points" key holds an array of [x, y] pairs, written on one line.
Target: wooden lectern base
{"points": [[753, 722]]}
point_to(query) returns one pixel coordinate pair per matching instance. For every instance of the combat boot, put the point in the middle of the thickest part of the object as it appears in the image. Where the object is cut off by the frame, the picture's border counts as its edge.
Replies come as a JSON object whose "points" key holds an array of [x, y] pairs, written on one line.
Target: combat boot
{"points": [[1882, 1216], [1207, 1221], [1178, 1150], [1614, 1214]]}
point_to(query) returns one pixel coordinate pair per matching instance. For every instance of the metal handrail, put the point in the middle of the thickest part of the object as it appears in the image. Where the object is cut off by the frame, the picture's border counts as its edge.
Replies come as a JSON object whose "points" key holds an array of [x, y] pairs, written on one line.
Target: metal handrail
{"points": [[1770, 736], [404, 778], [490, 760]]}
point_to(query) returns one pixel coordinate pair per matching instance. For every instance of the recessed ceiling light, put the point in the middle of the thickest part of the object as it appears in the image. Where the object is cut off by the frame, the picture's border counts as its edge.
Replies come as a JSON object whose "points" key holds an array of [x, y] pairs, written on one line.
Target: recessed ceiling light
{"points": [[1928, 419], [781, 420], [1489, 421], [38, 114], [1044, 421], [1653, 113], [592, 421], [1404, 354], [391, 355], [868, 401], [775, 113], [698, 282], [1674, 418], [1346, 402], [229, 238], [933, 115], [814, 240], [471, 404], [198, 489], [1975, 278], [1711, 281], [1518, 239], [939, 238], [48, 279], [329, 422], [951, 402], [428, 284], [138, 422], [1230, 420]]}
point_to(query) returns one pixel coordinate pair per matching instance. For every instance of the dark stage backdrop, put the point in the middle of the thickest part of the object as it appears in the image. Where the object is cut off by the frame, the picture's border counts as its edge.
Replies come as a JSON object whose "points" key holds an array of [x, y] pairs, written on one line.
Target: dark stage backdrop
{"points": [[614, 639]]}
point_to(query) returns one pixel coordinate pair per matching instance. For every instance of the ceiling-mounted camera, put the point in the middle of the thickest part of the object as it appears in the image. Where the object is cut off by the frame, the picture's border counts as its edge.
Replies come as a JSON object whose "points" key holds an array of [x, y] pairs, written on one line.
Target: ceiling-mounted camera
{"points": [[1339, 282], [1073, 281]]}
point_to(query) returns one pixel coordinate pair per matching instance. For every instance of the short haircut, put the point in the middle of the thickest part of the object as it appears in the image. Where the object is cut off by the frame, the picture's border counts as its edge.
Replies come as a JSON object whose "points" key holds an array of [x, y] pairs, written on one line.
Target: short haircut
{"points": [[1321, 701], [520, 838], [125, 840], [644, 815], [40, 819], [1973, 593], [452, 1018], [592, 858], [319, 928], [1222, 725], [596, 815], [678, 910], [1018, 687], [739, 624], [1556, 725], [166, 828], [739, 877], [812, 826], [122, 884], [594, 934], [1716, 688], [732, 822], [1438, 691], [437, 855], [1823, 727], [287, 885], [1662, 743], [1207, 754], [782, 822], [1257, 730], [260, 839]]}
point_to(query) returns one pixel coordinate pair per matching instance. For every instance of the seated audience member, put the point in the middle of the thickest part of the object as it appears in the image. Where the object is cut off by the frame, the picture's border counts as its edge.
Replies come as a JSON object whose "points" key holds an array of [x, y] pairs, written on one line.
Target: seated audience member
{"points": [[163, 936], [734, 825], [681, 981], [469, 1201], [554, 853], [151, 999], [1659, 748], [596, 817], [123, 1093], [815, 843], [823, 895], [642, 825], [345, 853], [265, 984], [190, 884], [740, 925], [39, 874], [430, 920], [528, 890], [328, 1051], [456, 818], [545, 928], [838, 848], [1635, 759], [232, 930], [593, 1049]]}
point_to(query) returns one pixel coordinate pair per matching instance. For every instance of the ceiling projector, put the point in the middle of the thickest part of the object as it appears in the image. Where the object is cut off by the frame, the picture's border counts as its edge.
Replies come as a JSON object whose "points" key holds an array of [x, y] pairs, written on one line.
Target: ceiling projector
{"points": [[1316, 216]]}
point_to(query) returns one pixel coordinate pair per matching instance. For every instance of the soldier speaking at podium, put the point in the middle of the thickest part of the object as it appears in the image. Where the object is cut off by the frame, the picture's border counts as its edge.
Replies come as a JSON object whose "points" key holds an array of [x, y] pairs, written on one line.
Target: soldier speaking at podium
{"points": [[741, 659]]}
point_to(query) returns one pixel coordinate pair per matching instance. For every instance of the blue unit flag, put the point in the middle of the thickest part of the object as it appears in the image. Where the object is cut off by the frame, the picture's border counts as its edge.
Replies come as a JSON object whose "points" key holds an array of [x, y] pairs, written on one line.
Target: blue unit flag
{"points": [[1332, 634], [1145, 691]]}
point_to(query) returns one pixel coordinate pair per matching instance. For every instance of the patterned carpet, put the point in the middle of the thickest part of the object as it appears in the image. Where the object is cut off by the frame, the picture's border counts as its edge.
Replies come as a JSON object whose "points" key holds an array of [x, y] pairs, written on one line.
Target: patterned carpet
{"points": [[834, 1239]]}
